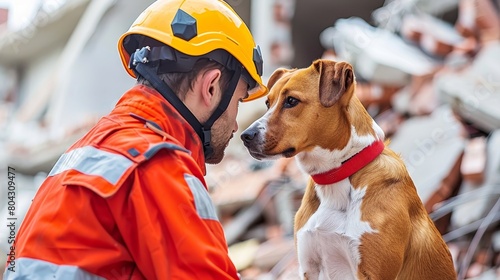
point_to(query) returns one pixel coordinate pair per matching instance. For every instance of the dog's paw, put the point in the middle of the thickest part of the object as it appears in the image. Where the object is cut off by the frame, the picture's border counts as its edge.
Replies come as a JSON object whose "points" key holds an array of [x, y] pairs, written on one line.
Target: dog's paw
{"points": [[309, 276]]}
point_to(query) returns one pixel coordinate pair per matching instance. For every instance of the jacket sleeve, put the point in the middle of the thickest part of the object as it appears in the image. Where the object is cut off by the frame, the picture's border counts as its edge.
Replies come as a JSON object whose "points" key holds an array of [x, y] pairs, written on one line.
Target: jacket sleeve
{"points": [[169, 224]]}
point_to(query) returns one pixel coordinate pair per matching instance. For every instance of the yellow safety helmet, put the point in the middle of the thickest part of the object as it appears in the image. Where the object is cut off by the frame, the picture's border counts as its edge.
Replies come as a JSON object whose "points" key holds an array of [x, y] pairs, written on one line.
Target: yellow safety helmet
{"points": [[195, 28]]}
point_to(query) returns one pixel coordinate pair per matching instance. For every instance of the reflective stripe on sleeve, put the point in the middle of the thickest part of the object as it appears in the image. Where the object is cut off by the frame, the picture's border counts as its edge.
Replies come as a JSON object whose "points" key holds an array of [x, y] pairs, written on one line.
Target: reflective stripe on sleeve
{"points": [[92, 161], [204, 205], [33, 269]]}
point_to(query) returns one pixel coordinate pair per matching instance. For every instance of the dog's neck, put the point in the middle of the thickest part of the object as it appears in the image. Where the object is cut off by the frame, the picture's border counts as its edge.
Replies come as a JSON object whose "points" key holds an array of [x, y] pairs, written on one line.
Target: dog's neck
{"points": [[351, 165], [320, 160]]}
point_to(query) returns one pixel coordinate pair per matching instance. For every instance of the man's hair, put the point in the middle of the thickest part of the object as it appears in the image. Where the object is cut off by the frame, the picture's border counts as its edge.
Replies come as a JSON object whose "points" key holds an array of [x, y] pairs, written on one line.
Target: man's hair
{"points": [[180, 83]]}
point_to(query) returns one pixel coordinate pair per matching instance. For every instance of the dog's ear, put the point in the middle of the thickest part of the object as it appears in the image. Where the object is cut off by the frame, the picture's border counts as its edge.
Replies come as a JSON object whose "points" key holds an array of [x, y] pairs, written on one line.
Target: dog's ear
{"points": [[277, 74], [334, 80]]}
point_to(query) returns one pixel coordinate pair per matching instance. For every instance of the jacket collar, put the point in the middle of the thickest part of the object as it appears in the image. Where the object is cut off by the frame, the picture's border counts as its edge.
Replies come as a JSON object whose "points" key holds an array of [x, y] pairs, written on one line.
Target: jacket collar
{"points": [[149, 104]]}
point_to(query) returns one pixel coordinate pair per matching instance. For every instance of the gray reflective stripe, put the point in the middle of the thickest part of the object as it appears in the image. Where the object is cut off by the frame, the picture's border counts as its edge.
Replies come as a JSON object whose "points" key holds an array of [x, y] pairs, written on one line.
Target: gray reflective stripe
{"points": [[33, 269], [92, 161], [169, 146], [202, 200]]}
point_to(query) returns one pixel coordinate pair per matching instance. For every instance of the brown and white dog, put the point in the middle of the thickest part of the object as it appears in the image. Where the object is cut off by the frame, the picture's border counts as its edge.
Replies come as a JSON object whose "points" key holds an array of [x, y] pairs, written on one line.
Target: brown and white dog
{"points": [[361, 216]]}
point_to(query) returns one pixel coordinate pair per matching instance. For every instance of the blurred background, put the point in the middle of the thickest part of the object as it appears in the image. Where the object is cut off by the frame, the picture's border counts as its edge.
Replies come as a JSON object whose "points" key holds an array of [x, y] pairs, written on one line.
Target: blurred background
{"points": [[427, 71]]}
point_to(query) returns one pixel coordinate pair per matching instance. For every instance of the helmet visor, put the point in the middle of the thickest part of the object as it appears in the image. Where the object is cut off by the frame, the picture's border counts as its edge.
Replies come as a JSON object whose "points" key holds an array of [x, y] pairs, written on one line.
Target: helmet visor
{"points": [[255, 90]]}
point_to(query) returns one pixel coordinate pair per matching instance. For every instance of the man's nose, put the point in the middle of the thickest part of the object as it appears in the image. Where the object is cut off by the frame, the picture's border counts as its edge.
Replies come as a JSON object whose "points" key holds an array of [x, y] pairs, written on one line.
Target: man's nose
{"points": [[235, 126]]}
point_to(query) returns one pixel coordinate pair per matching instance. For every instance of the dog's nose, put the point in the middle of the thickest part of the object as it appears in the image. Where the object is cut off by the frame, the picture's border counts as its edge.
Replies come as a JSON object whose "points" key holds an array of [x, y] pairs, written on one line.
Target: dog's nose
{"points": [[248, 135]]}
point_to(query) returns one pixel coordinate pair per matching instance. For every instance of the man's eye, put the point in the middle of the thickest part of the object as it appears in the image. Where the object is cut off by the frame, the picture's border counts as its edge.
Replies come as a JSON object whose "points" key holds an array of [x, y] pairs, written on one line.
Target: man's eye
{"points": [[267, 104], [291, 102]]}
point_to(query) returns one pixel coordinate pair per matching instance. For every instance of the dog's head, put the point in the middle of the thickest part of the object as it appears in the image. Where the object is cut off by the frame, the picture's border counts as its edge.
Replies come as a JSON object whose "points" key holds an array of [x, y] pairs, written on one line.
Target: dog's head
{"points": [[307, 108]]}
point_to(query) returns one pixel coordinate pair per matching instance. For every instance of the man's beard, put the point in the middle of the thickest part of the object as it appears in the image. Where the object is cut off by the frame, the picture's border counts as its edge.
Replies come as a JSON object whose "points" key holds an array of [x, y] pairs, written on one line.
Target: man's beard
{"points": [[218, 147]]}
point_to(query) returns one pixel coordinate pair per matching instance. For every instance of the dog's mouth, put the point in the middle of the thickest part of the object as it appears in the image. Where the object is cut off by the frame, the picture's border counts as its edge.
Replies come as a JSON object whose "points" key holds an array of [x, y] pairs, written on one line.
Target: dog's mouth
{"points": [[290, 152], [257, 155]]}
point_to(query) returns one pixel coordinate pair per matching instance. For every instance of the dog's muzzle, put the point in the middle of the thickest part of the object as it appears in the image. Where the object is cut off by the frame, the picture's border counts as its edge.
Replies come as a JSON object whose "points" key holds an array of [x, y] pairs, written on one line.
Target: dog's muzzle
{"points": [[250, 135], [253, 140]]}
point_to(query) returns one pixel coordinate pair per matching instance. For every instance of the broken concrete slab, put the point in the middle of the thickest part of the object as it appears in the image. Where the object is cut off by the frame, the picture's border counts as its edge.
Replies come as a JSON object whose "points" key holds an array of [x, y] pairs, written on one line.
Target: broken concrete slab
{"points": [[429, 146], [478, 207]]}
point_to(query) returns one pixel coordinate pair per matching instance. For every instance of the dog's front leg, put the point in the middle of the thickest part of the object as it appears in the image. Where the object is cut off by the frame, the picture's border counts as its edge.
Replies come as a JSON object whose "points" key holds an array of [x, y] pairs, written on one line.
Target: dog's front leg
{"points": [[309, 205], [308, 256]]}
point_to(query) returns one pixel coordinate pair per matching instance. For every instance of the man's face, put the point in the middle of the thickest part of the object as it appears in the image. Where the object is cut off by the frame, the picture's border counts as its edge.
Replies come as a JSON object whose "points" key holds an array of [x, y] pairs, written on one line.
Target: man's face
{"points": [[225, 126]]}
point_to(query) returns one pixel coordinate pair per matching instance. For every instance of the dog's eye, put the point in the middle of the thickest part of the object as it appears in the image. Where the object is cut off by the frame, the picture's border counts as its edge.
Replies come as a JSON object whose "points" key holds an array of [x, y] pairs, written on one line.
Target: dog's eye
{"points": [[267, 104], [291, 102]]}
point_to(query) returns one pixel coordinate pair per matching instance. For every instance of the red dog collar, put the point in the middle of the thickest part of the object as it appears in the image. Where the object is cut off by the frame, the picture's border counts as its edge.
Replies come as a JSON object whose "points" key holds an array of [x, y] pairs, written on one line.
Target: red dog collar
{"points": [[350, 166]]}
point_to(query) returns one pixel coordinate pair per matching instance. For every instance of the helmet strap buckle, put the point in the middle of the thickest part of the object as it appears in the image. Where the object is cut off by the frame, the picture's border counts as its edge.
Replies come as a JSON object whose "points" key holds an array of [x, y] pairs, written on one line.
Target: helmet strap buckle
{"points": [[139, 56]]}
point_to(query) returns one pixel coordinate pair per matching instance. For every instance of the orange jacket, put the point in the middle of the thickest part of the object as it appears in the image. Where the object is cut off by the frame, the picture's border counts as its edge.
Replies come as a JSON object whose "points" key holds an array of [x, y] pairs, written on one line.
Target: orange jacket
{"points": [[125, 203]]}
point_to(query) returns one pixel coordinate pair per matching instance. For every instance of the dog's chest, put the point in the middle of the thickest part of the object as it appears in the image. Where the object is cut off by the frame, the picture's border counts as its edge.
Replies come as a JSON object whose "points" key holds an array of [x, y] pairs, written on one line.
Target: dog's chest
{"points": [[332, 235]]}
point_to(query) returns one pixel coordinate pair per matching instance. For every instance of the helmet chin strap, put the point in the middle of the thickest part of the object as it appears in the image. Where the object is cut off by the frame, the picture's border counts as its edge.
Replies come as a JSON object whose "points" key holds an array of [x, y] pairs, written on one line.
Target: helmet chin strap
{"points": [[203, 130], [221, 108]]}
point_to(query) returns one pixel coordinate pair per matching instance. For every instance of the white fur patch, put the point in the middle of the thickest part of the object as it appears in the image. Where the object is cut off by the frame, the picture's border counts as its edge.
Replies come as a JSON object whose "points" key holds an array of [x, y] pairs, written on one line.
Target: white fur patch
{"points": [[328, 244], [261, 123], [320, 160]]}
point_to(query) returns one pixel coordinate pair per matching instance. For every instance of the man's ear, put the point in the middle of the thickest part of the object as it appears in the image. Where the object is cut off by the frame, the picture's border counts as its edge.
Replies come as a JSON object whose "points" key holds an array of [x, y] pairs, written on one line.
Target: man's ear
{"points": [[211, 87], [335, 80]]}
